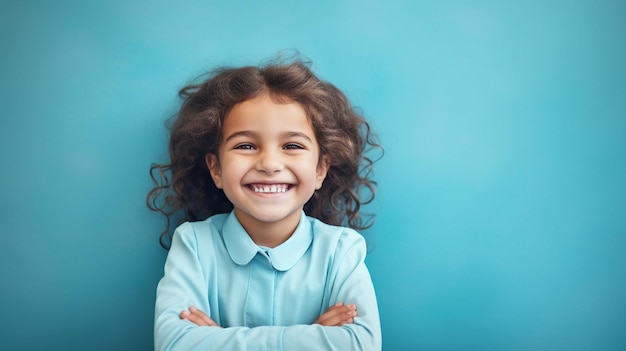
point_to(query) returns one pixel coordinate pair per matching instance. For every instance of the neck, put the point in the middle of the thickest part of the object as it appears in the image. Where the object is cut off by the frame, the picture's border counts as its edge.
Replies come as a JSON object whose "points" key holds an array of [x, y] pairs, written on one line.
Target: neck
{"points": [[269, 234]]}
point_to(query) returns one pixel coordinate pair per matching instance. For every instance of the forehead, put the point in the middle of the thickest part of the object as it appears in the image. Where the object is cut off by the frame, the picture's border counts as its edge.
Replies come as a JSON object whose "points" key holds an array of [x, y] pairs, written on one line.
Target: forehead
{"points": [[264, 114]]}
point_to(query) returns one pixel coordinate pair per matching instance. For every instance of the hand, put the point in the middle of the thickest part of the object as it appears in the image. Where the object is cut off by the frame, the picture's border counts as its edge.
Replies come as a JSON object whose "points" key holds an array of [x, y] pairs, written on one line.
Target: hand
{"points": [[337, 315], [198, 317]]}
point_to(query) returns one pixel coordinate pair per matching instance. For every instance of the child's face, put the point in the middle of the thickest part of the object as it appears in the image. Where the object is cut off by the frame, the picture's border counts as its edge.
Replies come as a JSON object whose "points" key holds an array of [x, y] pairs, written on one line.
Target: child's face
{"points": [[267, 163]]}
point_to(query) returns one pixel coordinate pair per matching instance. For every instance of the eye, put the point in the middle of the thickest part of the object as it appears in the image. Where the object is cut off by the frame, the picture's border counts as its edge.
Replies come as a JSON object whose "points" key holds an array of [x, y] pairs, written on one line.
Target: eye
{"points": [[293, 146], [244, 147]]}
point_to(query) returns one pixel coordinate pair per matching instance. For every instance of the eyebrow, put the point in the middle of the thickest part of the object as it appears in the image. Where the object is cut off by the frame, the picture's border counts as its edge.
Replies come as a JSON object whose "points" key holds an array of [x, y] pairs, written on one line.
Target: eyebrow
{"points": [[252, 134]]}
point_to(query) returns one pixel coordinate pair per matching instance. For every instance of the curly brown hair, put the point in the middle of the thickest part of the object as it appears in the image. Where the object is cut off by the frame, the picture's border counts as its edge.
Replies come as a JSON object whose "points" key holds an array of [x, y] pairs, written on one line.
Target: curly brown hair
{"points": [[343, 134]]}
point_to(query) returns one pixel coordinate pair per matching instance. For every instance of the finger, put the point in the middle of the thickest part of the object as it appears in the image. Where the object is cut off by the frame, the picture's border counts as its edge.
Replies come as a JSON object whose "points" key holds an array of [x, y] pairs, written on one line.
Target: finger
{"points": [[334, 307], [341, 308], [347, 321], [338, 319], [333, 310], [337, 316], [329, 317], [197, 317], [203, 316]]}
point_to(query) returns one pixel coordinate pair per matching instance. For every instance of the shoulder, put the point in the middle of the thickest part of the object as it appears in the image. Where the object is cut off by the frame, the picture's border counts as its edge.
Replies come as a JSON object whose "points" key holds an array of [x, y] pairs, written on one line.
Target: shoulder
{"points": [[197, 232], [337, 239]]}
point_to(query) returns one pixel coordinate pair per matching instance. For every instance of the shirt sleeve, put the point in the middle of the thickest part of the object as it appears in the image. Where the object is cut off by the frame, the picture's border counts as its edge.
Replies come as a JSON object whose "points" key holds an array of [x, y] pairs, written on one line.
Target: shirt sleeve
{"points": [[184, 284]]}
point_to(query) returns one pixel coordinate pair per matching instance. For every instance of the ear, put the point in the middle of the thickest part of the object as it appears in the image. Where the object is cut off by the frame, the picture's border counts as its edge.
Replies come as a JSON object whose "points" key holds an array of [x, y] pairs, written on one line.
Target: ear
{"points": [[322, 170], [213, 164]]}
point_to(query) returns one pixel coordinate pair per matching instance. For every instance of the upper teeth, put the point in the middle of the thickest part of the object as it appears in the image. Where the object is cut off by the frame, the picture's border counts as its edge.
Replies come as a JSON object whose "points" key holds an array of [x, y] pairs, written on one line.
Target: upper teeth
{"points": [[274, 188]]}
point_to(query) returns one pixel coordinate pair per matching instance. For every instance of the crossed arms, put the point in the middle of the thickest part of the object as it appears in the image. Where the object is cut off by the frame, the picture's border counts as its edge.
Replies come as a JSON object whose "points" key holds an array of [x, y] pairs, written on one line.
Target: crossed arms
{"points": [[189, 316]]}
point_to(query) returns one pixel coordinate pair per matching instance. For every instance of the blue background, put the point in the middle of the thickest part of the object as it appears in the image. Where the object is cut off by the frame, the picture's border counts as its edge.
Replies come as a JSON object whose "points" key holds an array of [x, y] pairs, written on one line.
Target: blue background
{"points": [[502, 203]]}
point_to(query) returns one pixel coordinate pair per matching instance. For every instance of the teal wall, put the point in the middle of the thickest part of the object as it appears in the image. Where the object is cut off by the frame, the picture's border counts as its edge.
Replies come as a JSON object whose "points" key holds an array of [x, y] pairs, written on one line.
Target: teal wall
{"points": [[502, 201]]}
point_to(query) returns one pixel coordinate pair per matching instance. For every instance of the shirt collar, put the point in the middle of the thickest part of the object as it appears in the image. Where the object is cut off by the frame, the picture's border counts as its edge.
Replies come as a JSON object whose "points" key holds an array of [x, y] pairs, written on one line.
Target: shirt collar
{"points": [[283, 257]]}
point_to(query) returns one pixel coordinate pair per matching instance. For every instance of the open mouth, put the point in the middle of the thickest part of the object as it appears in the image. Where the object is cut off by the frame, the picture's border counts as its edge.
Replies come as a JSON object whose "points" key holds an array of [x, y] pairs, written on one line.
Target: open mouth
{"points": [[269, 188]]}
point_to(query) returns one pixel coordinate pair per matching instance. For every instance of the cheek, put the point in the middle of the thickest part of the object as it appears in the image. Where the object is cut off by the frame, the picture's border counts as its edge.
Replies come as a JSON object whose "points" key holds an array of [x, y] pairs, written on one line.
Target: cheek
{"points": [[232, 170], [225, 168], [314, 172]]}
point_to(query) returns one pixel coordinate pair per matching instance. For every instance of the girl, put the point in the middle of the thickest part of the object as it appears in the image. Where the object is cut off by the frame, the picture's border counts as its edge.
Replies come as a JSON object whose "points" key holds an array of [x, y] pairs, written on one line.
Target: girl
{"points": [[268, 168]]}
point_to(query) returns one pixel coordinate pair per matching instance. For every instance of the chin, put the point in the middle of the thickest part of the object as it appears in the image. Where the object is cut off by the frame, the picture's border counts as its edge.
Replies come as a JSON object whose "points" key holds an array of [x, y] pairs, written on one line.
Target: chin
{"points": [[271, 217]]}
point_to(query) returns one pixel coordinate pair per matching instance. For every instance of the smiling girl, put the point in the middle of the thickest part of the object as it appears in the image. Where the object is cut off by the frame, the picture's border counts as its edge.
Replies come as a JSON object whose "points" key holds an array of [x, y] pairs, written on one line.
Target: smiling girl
{"points": [[268, 170]]}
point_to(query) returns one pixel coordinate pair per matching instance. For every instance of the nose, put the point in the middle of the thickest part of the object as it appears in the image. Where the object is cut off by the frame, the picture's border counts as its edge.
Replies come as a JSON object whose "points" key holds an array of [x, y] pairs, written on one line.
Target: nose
{"points": [[269, 162]]}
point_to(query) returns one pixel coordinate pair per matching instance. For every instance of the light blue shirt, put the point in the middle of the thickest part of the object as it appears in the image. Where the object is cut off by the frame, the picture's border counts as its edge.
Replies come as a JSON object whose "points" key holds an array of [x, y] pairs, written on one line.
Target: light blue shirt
{"points": [[266, 299]]}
